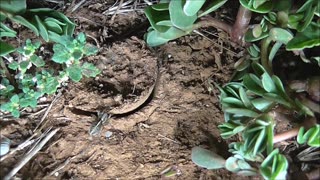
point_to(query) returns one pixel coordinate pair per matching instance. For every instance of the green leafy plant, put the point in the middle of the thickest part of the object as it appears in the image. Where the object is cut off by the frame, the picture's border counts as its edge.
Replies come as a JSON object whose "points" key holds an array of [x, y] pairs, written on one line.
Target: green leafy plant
{"points": [[32, 84], [174, 19], [311, 137], [35, 77], [275, 166], [47, 23], [29, 85]]}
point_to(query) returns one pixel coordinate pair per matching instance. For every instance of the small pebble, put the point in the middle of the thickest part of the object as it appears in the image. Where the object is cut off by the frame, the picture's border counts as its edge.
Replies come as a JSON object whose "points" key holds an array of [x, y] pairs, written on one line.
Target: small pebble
{"points": [[108, 134], [4, 145]]}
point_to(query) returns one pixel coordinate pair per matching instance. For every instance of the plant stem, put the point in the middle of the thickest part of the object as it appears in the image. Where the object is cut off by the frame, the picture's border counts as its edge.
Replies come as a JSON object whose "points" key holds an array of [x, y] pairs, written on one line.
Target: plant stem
{"points": [[211, 22], [264, 55], [293, 132], [240, 27], [237, 31]]}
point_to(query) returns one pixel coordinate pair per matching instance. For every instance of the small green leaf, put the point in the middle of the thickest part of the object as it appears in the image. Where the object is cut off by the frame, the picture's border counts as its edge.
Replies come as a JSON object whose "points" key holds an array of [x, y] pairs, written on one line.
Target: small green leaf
{"points": [[61, 54], [207, 159], [89, 50], [24, 65], [74, 73], [89, 70], [37, 61], [257, 31], [250, 37], [81, 38], [14, 99], [77, 54]]}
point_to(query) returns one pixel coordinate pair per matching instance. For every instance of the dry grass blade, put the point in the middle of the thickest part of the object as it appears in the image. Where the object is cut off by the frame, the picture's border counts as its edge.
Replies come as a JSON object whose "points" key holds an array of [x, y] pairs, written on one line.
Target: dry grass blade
{"points": [[31, 154], [201, 34], [78, 5], [128, 6], [48, 110]]}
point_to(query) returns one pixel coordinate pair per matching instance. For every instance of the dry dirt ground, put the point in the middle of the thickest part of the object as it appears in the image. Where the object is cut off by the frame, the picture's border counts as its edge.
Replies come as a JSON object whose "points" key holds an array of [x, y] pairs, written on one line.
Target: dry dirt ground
{"points": [[182, 112]]}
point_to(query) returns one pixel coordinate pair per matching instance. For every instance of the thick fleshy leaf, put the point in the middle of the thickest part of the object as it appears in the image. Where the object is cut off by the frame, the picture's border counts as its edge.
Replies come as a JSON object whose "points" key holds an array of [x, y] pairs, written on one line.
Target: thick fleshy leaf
{"points": [[42, 29], [13, 6], [242, 112], [268, 83], [251, 83], [178, 17], [232, 165], [280, 35], [306, 39], [173, 33], [250, 37], [5, 48], [23, 21], [161, 6], [274, 50], [191, 7], [258, 147], [232, 102], [155, 16], [5, 31], [53, 26], [264, 8], [153, 39], [207, 159], [215, 4]]}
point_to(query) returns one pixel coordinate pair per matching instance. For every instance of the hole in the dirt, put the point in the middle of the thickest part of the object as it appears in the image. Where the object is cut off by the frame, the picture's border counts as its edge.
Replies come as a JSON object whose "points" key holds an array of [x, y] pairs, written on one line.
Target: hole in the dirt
{"points": [[291, 67], [192, 83], [127, 90]]}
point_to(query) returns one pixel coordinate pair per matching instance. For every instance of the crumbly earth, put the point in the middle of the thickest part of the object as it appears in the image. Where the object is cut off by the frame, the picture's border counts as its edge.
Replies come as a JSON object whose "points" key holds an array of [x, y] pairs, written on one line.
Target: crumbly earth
{"points": [[183, 111]]}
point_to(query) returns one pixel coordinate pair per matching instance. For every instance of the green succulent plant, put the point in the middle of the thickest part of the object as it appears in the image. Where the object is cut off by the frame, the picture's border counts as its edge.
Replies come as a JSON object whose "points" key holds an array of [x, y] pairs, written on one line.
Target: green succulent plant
{"points": [[47, 23], [173, 19], [255, 90], [311, 137]]}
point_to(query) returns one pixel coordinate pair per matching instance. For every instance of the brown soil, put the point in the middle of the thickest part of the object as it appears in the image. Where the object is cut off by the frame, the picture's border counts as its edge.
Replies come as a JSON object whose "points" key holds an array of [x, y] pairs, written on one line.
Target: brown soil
{"points": [[182, 113]]}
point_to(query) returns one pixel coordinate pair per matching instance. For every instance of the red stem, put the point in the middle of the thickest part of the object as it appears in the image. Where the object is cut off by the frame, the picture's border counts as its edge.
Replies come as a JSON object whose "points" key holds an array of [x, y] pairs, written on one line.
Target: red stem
{"points": [[241, 25]]}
